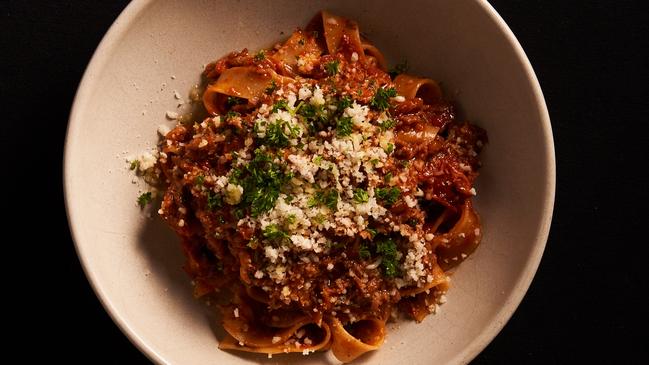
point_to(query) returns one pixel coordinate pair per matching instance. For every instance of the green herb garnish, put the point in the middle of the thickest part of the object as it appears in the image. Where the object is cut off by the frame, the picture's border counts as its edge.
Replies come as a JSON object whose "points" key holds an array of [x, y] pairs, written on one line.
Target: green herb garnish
{"points": [[389, 196], [387, 124], [388, 250], [199, 180], [214, 201], [381, 100], [361, 196], [144, 199], [332, 67], [272, 87], [364, 252], [327, 198], [344, 126], [260, 56]]}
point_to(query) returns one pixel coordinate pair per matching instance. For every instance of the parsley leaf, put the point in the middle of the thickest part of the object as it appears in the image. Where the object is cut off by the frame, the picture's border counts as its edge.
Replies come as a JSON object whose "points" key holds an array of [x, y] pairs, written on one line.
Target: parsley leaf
{"points": [[387, 124], [272, 87], [280, 104], [389, 148], [364, 252], [389, 196], [214, 201], [344, 126], [388, 250], [381, 101], [327, 198], [344, 102], [261, 180], [231, 114], [199, 180], [144, 199], [332, 67], [260, 56], [273, 233], [316, 116], [361, 196], [276, 133]]}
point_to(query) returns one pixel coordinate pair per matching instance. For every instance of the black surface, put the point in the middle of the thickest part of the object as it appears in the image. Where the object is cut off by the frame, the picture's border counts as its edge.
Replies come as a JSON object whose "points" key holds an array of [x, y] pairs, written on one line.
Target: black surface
{"points": [[585, 301]]}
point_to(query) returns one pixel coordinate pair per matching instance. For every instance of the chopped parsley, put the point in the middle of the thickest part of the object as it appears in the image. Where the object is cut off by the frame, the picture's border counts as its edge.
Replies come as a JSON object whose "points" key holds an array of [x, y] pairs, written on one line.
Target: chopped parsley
{"points": [[291, 219], [364, 252], [332, 67], [214, 201], [388, 176], [260, 56], [389, 148], [388, 250], [381, 100], [361, 196], [389, 196], [344, 102], [272, 87], [134, 164], [231, 114], [344, 126], [272, 232], [280, 104], [387, 124], [278, 133], [327, 198], [199, 180], [144, 199], [261, 180], [399, 68], [316, 116]]}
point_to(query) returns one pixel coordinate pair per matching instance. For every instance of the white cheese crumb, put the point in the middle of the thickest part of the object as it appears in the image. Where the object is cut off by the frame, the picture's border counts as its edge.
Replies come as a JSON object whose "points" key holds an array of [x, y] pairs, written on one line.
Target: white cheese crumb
{"points": [[236, 312], [473, 192], [203, 143], [304, 93], [399, 99], [233, 194], [330, 266], [276, 339], [181, 223], [163, 129], [259, 274], [354, 57], [172, 115], [318, 97]]}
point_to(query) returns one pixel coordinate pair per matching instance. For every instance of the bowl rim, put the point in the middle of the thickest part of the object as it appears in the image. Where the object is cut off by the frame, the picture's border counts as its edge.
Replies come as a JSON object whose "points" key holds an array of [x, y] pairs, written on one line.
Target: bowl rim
{"points": [[477, 344]]}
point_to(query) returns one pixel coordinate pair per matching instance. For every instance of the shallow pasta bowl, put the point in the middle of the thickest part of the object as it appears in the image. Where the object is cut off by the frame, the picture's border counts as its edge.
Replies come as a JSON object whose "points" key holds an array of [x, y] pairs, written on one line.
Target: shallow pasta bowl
{"points": [[157, 48]]}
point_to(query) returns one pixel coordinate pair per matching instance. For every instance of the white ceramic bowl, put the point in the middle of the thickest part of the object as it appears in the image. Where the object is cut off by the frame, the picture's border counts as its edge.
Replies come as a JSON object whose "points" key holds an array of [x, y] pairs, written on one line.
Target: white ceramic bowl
{"points": [[134, 263]]}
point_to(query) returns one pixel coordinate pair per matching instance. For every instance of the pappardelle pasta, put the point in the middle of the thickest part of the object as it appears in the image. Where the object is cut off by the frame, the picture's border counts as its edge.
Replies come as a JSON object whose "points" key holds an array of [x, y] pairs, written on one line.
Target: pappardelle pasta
{"points": [[321, 194]]}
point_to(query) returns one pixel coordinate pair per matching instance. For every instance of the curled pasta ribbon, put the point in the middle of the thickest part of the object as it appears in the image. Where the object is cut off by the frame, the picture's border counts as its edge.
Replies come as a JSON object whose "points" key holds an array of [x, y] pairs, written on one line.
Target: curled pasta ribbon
{"points": [[419, 302], [280, 334], [375, 56], [320, 336], [247, 82], [411, 86], [455, 245], [335, 27], [360, 337], [300, 46]]}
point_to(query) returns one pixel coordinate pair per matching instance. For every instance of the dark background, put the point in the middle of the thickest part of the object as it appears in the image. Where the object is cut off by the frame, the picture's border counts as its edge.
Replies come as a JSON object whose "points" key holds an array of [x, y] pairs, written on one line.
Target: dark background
{"points": [[584, 304]]}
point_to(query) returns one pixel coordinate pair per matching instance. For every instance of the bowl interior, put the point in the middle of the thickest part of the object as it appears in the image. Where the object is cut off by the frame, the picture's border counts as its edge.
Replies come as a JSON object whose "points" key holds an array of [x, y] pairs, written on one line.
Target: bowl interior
{"points": [[158, 47]]}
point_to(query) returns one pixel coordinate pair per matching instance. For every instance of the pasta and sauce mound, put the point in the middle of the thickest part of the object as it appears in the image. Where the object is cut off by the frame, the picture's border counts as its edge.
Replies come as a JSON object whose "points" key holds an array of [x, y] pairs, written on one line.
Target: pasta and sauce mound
{"points": [[321, 194]]}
